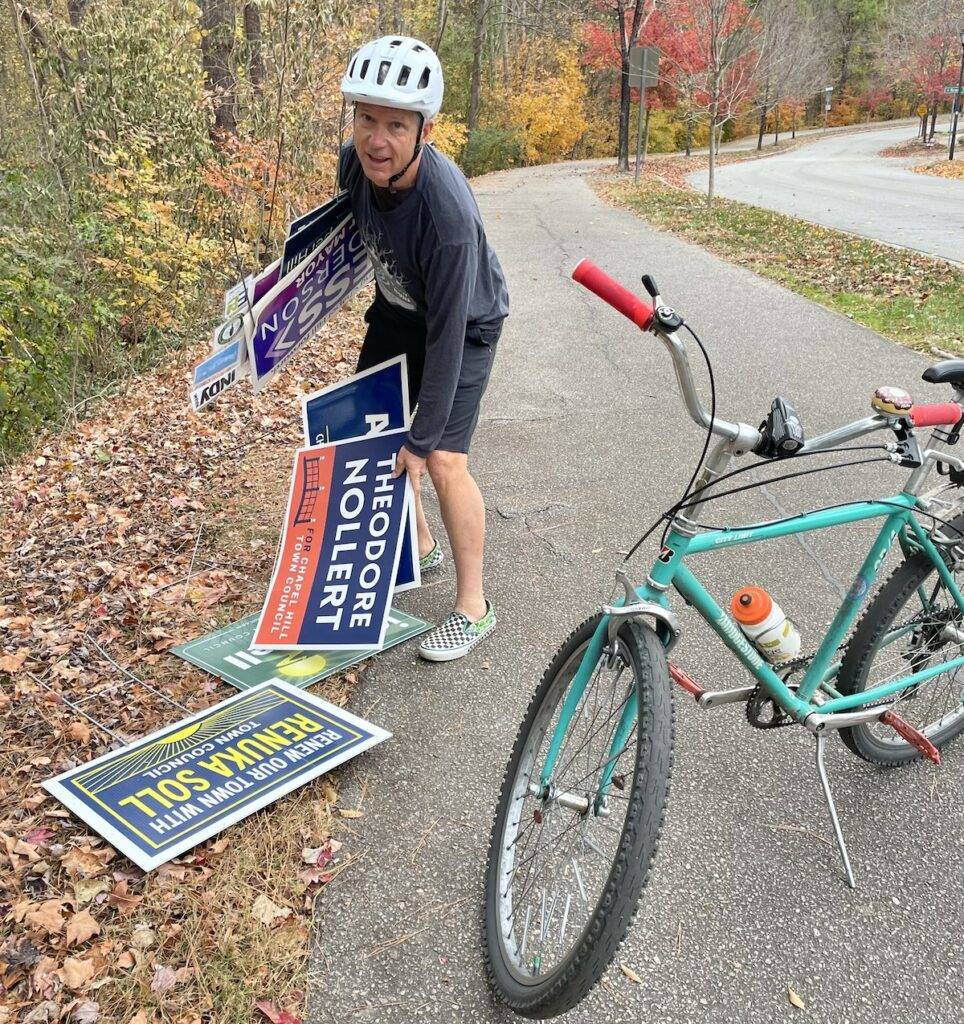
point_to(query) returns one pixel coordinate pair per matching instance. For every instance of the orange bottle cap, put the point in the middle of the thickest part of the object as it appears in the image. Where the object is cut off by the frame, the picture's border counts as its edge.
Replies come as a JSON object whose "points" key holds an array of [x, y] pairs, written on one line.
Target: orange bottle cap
{"points": [[751, 605]]}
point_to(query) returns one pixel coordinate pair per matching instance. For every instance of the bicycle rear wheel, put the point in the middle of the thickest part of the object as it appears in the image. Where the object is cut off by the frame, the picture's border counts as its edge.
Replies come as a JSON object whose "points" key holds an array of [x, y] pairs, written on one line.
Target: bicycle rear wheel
{"points": [[912, 624], [564, 878]]}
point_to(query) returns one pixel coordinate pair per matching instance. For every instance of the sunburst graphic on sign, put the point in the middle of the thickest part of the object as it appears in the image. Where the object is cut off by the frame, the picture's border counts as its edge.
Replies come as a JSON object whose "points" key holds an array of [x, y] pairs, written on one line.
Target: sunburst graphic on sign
{"points": [[176, 742], [299, 666]]}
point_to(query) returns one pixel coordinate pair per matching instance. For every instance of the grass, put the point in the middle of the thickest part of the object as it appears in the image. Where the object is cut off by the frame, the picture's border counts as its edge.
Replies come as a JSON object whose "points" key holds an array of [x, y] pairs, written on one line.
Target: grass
{"points": [[913, 299]]}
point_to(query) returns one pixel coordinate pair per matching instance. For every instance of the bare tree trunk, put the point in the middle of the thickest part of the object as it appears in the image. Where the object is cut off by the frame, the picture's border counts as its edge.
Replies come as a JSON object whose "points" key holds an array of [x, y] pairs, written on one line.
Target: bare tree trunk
{"points": [[709, 189], [763, 115], [624, 104], [441, 16], [689, 135], [398, 19], [478, 42], [75, 11], [776, 124], [933, 120], [252, 35], [217, 43], [504, 40]]}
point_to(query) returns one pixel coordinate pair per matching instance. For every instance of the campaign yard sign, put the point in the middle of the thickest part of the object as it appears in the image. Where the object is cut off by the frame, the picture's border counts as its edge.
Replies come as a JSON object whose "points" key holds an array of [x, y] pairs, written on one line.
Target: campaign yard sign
{"points": [[164, 794], [333, 579], [308, 232], [228, 654], [367, 403], [301, 301]]}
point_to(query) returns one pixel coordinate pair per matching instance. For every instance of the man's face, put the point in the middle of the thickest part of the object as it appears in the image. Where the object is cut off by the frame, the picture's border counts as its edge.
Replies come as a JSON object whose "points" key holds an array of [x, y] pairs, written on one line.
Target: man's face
{"points": [[384, 140]]}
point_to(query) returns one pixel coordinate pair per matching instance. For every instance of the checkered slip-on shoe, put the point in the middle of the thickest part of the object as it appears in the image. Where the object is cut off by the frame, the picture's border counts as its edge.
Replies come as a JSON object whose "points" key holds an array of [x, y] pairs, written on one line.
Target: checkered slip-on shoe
{"points": [[431, 561], [456, 636]]}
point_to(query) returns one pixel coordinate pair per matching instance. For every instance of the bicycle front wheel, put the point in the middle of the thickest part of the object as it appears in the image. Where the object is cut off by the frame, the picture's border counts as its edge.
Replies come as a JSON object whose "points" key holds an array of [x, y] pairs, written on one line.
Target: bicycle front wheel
{"points": [[912, 624], [566, 866]]}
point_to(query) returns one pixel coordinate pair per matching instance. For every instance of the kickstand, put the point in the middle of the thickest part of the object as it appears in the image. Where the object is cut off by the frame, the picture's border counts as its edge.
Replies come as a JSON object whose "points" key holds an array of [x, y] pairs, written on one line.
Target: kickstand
{"points": [[828, 796]]}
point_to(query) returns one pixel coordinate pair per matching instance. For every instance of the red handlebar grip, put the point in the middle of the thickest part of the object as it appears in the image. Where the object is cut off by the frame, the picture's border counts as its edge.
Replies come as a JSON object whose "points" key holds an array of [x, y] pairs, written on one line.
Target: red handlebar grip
{"points": [[942, 414], [622, 299]]}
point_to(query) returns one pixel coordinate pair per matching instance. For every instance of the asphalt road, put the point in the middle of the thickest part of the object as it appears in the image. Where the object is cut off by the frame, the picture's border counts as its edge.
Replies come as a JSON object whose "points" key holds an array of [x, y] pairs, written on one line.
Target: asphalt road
{"points": [[841, 183], [582, 440]]}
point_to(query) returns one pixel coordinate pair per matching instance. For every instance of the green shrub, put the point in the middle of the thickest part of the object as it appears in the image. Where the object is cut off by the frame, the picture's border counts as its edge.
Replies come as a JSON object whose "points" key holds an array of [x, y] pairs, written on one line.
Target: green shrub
{"points": [[490, 148], [39, 325]]}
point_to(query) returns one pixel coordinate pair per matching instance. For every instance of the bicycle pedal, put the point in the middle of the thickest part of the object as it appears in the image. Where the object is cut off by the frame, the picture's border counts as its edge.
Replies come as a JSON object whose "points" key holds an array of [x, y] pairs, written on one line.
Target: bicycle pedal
{"points": [[687, 682], [913, 736]]}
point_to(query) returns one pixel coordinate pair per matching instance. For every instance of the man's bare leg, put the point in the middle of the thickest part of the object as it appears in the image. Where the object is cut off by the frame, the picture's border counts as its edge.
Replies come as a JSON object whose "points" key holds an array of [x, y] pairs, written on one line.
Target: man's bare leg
{"points": [[425, 539], [463, 513]]}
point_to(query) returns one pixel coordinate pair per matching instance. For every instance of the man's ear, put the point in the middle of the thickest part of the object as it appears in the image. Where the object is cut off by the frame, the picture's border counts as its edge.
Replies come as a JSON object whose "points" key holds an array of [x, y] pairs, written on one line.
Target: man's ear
{"points": [[427, 130]]}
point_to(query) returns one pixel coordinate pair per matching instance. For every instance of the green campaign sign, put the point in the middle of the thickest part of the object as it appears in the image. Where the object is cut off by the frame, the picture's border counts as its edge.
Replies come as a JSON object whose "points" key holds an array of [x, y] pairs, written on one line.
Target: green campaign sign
{"points": [[226, 653]]}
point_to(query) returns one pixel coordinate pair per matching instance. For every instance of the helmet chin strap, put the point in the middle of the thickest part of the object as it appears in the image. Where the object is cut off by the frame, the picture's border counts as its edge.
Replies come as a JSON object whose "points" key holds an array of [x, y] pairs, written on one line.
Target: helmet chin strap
{"points": [[418, 149]]}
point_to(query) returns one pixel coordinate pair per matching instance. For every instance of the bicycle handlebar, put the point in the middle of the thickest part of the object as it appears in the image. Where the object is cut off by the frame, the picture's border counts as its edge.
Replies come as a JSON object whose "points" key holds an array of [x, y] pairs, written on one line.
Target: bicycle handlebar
{"points": [[621, 299], [940, 414]]}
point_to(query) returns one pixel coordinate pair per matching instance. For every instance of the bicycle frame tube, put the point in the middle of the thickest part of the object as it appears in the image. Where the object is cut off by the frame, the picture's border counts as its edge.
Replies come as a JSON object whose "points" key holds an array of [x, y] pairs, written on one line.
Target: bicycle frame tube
{"points": [[671, 570]]}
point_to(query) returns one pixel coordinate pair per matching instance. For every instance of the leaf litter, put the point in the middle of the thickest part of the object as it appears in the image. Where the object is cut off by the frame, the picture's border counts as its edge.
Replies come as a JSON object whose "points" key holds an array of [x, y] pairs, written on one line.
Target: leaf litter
{"points": [[142, 528]]}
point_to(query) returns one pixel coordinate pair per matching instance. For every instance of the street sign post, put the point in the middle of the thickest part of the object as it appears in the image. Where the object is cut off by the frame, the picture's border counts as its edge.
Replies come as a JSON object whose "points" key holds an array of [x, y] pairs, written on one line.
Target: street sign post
{"points": [[643, 75], [958, 101]]}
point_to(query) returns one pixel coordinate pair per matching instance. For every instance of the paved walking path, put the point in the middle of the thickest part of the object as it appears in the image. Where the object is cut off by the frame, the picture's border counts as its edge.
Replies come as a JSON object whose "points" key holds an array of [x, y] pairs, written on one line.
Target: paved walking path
{"points": [[582, 436], [840, 182]]}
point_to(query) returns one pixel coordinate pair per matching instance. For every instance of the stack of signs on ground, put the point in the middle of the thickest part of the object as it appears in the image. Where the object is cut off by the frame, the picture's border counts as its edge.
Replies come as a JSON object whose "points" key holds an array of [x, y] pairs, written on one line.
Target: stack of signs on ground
{"points": [[228, 654], [372, 401], [270, 316], [335, 573], [164, 794]]}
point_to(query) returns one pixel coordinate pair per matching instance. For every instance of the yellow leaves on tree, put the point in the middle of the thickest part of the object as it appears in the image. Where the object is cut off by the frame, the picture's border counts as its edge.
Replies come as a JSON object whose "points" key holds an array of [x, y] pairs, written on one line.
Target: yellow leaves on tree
{"points": [[449, 135], [153, 261], [549, 114]]}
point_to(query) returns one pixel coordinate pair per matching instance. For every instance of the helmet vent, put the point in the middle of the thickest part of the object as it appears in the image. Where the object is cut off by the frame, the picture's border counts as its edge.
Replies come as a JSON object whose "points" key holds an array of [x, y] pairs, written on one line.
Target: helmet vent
{"points": [[351, 70], [403, 75], [418, 48], [383, 70], [423, 81], [395, 42], [364, 69]]}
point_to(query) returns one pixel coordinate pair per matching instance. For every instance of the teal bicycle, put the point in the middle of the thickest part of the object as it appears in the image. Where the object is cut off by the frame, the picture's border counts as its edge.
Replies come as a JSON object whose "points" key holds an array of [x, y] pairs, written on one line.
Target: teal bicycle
{"points": [[585, 791]]}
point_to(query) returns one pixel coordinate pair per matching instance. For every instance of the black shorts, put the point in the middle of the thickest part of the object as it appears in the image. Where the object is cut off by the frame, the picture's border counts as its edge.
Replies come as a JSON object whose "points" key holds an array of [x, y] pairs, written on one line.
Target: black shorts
{"points": [[390, 335]]}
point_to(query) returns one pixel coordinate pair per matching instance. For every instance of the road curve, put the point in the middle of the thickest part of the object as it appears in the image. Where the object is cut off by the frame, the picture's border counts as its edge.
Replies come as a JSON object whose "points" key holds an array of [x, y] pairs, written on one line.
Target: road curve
{"points": [[841, 183], [582, 440]]}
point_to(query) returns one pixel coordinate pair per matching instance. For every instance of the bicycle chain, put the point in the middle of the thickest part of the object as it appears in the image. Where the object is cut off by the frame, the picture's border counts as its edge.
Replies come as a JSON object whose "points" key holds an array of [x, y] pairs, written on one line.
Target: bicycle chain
{"points": [[759, 698]]}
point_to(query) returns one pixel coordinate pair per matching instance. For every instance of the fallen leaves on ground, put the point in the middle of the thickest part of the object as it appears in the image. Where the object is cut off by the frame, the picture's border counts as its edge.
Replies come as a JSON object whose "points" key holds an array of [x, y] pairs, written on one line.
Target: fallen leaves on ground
{"points": [[142, 528], [943, 168], [795, 999], [631, 974]]}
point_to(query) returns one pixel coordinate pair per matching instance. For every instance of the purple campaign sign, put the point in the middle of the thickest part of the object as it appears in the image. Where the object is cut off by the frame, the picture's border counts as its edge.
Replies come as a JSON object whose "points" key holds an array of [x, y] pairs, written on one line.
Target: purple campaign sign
{"points": [[301, 302]]}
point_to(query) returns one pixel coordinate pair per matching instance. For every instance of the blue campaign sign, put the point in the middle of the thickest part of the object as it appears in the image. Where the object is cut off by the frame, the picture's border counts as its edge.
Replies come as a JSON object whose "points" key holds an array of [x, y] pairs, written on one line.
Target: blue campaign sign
{"points": [[334, 575], [367, 403], [308, 232], [164, 794], [296, 307], [218, 363]]}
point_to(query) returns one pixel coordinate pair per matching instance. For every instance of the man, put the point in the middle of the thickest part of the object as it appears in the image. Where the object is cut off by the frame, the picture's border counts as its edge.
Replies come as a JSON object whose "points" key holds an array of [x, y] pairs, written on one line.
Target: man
{"points": [[440, 297]]}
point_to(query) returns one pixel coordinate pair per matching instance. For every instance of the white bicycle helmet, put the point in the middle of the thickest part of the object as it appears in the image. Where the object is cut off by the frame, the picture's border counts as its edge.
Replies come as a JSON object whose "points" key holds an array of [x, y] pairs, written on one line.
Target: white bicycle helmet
{"points": [[395, 71]]}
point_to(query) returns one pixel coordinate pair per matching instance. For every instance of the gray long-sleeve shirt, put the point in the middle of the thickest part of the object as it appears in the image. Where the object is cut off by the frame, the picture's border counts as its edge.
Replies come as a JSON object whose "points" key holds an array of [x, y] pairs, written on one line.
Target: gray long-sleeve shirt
{"points": [[434, 265]]}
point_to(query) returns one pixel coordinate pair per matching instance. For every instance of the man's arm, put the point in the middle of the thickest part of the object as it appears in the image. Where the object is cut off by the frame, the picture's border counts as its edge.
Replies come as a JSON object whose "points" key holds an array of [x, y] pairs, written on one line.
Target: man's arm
{"points": [[450, 279]]}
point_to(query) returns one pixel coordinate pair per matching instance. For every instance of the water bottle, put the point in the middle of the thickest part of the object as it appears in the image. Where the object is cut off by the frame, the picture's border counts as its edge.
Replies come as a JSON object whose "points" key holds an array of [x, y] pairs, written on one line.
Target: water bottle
{"points": [[765, 625]]}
